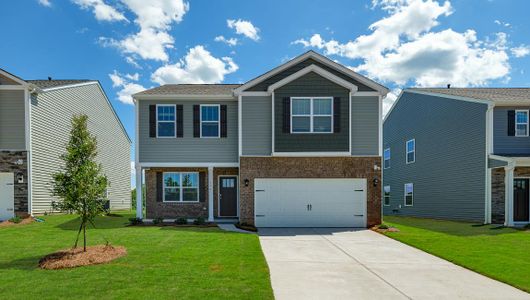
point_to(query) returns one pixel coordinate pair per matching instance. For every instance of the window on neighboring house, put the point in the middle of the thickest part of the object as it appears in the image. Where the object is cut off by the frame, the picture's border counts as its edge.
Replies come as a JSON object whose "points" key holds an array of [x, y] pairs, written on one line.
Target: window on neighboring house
{"points": [[386, 158], [386, 195], [311, 115], [409, 194], [181, 187], [411, 151], [165, 120], [210, 120], [521, 123]]}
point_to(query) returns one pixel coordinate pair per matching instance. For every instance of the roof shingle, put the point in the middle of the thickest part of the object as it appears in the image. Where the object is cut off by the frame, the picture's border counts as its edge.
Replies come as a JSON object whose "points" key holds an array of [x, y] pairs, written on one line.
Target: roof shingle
{"points": [[192, 89], [498, 95], [45, 84]]}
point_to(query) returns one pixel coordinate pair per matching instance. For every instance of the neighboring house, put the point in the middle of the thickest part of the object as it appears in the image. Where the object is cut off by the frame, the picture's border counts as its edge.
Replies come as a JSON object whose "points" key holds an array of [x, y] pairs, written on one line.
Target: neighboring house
{"points": [[458, 153], [35, 127], [297, 146]]}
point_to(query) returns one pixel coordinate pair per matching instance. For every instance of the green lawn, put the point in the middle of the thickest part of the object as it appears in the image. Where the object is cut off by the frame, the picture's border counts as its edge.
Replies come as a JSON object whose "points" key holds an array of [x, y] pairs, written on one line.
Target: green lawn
{"points": [[497, 252], [162, 263]]}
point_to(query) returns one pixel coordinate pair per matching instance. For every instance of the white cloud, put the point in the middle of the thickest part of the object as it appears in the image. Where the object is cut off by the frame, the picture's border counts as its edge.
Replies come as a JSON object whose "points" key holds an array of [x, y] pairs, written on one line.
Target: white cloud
{"points": [[520, 51], [127, 87], [198, 66], [229, 42], [402, 47], [245, 28], [389, 100], [46, 3], [498, 22], [101, 10]]}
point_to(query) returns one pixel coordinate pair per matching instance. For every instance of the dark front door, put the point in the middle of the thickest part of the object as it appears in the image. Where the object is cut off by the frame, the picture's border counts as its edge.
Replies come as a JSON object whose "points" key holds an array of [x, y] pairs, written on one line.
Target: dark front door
{"points": [[228, 196], [520, 199]]}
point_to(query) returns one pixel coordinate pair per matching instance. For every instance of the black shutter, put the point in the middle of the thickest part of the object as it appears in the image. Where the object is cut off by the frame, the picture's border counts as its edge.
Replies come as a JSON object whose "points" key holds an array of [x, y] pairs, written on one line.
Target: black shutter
{"points": [[286, 115], [196, 121], [224, 126], [152, 120], [180, 121], [203, 187], [159, 187], [336, 114], [511, 123]]}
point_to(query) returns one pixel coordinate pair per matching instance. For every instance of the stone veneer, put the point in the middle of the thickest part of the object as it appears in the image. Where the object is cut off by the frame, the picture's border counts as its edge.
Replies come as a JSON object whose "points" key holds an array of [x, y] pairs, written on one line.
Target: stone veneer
{"points": [[497, 191], [310, 167], [17, 162]]}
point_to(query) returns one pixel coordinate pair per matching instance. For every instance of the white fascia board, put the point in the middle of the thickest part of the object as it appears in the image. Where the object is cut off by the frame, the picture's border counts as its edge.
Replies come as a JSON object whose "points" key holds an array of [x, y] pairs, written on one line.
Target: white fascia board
{"points": [[251, 94], [69, 86], [188, 165], [184, 97], [365, 94], [501, 158], [313, 68], [311, 154]]}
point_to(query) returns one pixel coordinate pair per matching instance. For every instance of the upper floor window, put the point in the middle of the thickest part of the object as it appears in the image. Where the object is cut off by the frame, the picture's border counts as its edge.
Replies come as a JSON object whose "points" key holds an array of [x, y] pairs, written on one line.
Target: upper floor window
{"points": [[521, 123], [165, 120], [386, 158], [411, 151], [409, 194], [210, 120], [181, 187], [311, 114], [386, 195]]}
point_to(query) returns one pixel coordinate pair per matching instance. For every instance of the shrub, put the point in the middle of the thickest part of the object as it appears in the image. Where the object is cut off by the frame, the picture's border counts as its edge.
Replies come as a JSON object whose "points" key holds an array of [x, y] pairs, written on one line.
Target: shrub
{"points": [[135, 221], [158, 220], [15, 219], [181, 221], [383, 226], [199, 221], [246, 226]]}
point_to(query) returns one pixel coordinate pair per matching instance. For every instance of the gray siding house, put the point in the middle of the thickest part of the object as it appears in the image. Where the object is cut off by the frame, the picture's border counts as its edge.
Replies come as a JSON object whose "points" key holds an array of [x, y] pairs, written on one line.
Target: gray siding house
{"points": [[458, 153], [297, 146], [34, 130]]}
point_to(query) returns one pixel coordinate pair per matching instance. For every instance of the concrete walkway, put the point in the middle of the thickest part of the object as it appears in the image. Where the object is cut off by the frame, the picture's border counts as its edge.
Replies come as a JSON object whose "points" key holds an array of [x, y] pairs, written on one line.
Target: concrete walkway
{"points": [[322, 263]]}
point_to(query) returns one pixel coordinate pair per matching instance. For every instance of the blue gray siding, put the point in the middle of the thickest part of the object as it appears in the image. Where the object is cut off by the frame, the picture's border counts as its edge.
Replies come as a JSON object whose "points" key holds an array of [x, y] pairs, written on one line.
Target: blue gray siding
{"points": [[502, 143], [257, 125], [188, 148], [365, 126], [12, 120], [449, 172]]}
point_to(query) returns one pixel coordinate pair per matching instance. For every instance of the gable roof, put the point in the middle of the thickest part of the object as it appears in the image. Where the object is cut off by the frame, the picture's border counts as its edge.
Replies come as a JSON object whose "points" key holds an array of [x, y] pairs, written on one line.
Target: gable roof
{"points": [[46, 84], [315, 69], [12, 77], [499, 96], [191, 89]]}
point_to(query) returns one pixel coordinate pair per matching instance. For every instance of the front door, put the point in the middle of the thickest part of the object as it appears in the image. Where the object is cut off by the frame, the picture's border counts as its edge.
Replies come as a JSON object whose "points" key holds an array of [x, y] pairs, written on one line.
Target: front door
{"points": [[7, 193], [520, 200], [228, 196]]}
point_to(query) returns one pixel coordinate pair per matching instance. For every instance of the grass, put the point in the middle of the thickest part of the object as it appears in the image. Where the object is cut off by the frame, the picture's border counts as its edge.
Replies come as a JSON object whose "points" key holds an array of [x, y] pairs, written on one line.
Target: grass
{"points": [[497, 252], [162, 262]]}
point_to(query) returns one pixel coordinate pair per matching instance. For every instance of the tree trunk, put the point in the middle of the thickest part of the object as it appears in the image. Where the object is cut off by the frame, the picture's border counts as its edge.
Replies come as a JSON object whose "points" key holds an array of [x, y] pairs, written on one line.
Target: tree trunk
{"points": [[78, 233], [84, 237]]}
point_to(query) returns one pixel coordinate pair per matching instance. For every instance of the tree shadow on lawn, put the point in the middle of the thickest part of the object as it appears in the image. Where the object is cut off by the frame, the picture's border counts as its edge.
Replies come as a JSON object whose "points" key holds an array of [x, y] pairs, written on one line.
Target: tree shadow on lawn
{"points": [[25, 264], [101, 222]]}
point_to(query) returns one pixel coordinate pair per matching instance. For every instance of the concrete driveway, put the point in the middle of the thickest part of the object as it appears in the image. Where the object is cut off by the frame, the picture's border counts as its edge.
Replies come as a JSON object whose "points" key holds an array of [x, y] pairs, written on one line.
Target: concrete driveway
{"points": [[324, 263]]}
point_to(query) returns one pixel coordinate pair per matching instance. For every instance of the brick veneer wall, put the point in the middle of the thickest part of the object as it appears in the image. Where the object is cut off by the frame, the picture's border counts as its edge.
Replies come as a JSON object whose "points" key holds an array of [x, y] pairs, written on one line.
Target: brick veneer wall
{"points": [[309, 167], [498, 191], [216, 173], [17, 162]]}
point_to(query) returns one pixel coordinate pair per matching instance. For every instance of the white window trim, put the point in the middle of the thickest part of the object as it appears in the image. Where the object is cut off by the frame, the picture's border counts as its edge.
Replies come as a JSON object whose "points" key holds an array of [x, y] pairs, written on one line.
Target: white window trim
{"points": [[384, 195], [405, 194], [384, 159], [181, 189], [310, 115], [157, 121], [526, 124], [218, 120], [407, 151]]}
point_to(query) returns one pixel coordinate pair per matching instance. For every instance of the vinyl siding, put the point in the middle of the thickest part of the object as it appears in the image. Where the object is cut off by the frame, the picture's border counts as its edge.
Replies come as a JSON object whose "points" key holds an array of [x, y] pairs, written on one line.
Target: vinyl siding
{"points": [[12, 123], [257, 125], [188, 148], [311, 85], [51, 115], [365, 126], [449, 172], [502, 143]]}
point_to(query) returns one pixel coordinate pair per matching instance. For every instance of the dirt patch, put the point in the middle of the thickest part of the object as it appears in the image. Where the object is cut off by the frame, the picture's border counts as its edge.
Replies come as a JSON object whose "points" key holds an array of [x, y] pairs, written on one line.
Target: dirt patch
{"points": [[23, 222], [72, 258]]}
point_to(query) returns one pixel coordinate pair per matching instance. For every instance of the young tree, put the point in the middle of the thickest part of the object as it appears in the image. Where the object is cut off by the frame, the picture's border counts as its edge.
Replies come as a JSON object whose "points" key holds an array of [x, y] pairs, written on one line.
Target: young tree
{"points": [[80, 184]]}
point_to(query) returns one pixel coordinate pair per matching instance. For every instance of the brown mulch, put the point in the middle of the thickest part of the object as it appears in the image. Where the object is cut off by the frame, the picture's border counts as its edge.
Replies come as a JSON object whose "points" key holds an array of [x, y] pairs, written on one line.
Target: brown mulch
{"points": [[23, 222], [75, 257], [380, 230]]}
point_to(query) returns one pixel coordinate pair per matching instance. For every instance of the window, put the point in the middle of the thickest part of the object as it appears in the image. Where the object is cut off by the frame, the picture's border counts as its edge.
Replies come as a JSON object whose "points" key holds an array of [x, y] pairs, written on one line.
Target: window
{"points": [[210, 120], [386, 158], [165, 120], [181, 187], [386, 195], [411, 151], [311, 115], [521, 123], [409, 194]]}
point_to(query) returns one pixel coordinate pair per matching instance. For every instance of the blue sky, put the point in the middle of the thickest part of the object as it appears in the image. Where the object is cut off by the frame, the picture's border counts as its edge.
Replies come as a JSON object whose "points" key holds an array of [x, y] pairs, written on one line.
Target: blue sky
{"points": [[133, 44]]}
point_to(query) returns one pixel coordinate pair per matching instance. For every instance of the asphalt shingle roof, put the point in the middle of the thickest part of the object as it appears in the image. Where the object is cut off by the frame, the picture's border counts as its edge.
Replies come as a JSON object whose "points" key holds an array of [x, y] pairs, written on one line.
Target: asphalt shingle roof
{"points": [[192, 89], [498, 95], [45, 84]]}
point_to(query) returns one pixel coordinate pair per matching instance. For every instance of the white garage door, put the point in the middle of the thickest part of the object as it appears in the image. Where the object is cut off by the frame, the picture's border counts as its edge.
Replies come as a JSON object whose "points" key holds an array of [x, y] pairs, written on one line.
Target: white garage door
{"points": [[306, 202]]}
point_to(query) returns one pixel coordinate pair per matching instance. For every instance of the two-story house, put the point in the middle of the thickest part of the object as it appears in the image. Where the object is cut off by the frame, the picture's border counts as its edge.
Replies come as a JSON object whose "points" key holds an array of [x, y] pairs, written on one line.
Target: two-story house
{"points": [[297, 146], [35, 127], [458, 153]]}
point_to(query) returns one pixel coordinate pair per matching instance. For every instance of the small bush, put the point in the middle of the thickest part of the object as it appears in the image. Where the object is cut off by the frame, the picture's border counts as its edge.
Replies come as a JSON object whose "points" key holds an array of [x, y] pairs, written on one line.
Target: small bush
{"points": [[199, 221], [181, 221], [15, 219], [158, 221], [383, 226], [246, 226], [135, 221]]}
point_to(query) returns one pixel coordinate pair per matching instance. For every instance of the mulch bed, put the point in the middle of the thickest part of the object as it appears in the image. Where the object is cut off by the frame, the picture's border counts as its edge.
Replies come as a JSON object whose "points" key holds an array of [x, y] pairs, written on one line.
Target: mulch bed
{"points": [[23, 222], [75, 257], [380, 230], [246, 227], [174, 225]]}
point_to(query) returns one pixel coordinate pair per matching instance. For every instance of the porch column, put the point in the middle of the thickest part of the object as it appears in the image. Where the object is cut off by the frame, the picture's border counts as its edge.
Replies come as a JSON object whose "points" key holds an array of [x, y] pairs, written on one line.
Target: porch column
{"points": [[139, 192], [210, 194], [508, 195]]}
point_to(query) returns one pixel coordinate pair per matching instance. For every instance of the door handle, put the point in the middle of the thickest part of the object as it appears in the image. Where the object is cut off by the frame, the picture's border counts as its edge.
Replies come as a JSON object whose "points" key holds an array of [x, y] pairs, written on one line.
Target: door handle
{"points": [[310, 206], [358, 215]]}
